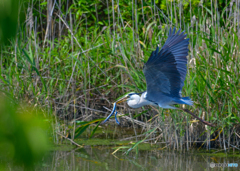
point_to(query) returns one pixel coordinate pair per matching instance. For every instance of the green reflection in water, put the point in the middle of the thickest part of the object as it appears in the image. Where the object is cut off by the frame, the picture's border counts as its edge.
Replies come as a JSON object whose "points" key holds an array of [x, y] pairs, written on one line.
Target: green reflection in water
{"points": [[101, 158]]}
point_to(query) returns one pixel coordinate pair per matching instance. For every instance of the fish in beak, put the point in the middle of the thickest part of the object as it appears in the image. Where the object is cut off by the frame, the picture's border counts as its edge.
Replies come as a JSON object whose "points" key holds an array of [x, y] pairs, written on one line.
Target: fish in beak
{"points": [[114, 107]]}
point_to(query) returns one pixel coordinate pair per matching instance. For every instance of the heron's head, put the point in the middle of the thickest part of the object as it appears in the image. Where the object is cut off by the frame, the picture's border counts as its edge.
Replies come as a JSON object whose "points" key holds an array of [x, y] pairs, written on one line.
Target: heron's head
{"points": [[131, 98]]}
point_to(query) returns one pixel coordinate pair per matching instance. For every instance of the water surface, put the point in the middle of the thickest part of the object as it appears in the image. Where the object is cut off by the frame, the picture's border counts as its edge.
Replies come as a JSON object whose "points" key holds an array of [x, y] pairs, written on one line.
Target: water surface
{"points": [[100, 158]]}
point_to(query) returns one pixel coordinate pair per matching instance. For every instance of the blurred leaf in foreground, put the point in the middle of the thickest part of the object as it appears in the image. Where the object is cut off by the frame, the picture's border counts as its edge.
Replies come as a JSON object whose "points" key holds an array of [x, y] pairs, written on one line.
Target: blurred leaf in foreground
{"points": [[9, 15], [23, 139]]}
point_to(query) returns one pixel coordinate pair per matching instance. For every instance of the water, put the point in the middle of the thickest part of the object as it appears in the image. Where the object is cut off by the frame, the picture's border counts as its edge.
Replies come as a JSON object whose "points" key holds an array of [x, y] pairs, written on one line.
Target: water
{"points": [[100, 158], [97, 154]]}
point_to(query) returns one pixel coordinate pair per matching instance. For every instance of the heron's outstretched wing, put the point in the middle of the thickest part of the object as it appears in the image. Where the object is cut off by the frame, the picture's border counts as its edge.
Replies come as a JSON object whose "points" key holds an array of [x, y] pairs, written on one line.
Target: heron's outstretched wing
{"points": [[165, 71]]}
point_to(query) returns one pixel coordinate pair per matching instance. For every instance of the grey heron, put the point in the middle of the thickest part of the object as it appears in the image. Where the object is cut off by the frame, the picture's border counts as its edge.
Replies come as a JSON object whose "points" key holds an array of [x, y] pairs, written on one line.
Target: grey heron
{"points": [[165, 72]]}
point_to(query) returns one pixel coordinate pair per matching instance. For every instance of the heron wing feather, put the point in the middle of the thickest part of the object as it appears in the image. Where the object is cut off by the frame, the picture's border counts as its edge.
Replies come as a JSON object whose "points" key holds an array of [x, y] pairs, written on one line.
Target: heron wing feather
{"points": [[165, 71]]}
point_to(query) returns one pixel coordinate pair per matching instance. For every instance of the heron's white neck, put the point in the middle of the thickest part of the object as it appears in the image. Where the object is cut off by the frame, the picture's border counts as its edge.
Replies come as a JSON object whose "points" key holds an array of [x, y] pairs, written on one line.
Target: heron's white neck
{"points": [[135, 101]]}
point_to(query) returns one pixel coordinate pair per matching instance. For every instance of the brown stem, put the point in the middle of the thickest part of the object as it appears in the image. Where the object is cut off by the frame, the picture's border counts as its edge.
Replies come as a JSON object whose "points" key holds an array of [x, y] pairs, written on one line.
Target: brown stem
{"points": [[205, 122]]}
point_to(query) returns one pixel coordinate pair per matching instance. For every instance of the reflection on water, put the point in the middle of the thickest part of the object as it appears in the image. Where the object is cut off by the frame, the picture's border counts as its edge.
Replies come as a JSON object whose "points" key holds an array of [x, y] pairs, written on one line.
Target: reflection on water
{"points": [[100, 159]]}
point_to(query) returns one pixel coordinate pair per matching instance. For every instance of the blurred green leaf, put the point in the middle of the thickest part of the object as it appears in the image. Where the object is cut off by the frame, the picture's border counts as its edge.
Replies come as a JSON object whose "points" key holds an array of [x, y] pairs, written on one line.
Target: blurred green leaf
{"points": [[22, 134]]}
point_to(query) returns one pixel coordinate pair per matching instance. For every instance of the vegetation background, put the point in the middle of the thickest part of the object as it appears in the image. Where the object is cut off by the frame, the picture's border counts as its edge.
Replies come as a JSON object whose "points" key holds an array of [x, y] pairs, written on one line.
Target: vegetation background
{"points": [[73, 58]]}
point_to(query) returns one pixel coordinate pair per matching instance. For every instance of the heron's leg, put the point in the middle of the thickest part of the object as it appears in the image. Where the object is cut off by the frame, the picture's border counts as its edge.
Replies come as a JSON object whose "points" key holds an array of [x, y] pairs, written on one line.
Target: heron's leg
{"points": [[205, 122]]}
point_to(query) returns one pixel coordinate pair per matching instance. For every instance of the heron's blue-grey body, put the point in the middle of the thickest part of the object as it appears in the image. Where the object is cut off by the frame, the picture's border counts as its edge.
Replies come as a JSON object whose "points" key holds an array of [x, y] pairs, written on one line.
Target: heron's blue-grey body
{"points": [[165, 72]]}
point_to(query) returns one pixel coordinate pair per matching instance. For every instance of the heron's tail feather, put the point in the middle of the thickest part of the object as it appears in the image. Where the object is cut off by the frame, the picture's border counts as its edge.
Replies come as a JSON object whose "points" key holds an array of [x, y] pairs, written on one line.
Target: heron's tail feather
{"points": [[187, 100], [184, 100]]}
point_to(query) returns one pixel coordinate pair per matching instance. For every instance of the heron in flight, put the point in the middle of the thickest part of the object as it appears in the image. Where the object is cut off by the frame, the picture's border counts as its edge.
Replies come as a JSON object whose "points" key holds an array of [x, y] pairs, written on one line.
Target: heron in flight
{"points": [[165, 72]]}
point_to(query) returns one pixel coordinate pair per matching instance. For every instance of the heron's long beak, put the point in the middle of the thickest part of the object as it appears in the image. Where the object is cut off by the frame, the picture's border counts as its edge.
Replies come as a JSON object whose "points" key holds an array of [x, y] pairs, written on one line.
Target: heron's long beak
{"points": [[121, 100]]}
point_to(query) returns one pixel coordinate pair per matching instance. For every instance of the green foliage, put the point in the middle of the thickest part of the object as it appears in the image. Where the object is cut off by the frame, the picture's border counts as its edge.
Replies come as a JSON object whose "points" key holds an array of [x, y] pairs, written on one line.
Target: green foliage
{"points": [[9, 17], [194, 5], [22, 134], [137, 143], [96, 52]]}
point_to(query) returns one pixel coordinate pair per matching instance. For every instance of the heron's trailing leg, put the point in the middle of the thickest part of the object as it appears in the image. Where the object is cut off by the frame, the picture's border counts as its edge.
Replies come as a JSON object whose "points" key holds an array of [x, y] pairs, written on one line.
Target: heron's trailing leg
{"points": [[205, 122]]}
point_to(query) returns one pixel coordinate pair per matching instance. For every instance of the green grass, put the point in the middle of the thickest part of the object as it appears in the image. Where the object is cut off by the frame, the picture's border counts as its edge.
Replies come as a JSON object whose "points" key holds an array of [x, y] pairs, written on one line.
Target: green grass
{"points": [[72, 75]]}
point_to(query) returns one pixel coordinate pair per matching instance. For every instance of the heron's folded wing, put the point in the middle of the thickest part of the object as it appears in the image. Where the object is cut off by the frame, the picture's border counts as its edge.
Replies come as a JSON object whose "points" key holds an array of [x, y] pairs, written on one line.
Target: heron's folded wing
{"points": [[165, 71]]}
